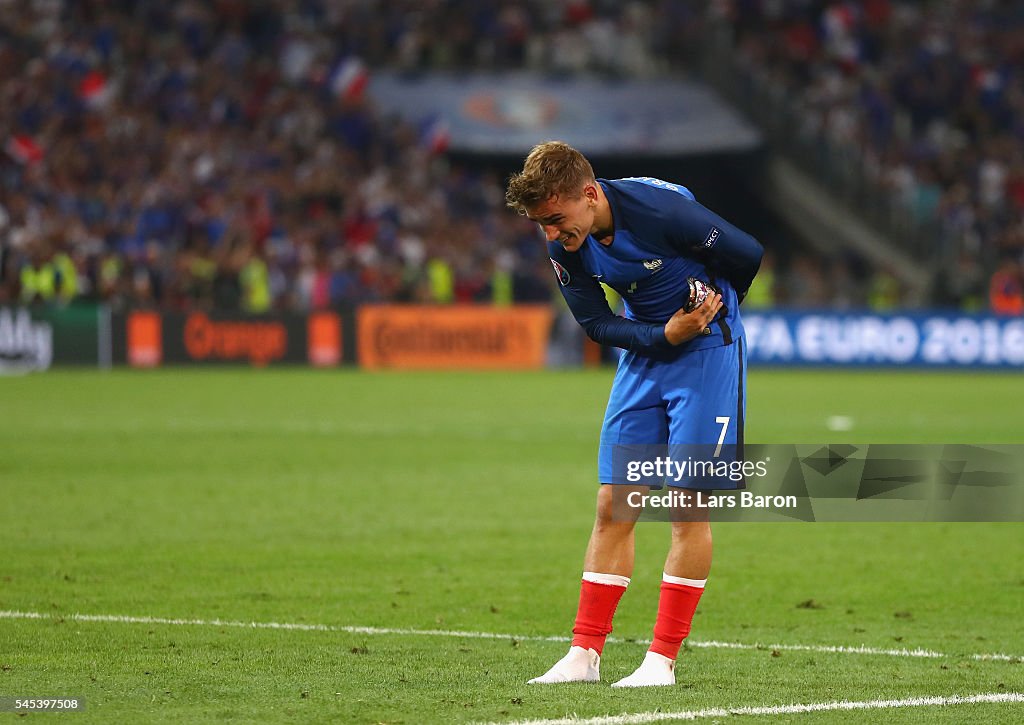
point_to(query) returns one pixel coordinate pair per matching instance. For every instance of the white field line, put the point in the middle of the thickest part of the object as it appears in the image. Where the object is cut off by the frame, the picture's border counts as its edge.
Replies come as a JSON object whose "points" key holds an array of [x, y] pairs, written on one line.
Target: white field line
{"points": [[455, 633], [647, 717]]}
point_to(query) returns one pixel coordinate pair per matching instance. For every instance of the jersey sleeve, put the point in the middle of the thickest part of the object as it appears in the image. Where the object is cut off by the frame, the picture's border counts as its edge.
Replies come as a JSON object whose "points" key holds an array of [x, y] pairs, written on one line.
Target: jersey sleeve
{"points": [[725, 249], [589, 306]]}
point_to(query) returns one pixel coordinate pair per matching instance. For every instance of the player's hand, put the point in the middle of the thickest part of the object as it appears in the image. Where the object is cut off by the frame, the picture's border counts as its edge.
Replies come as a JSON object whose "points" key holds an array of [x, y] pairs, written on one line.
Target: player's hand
{"points": [[683, 325]]}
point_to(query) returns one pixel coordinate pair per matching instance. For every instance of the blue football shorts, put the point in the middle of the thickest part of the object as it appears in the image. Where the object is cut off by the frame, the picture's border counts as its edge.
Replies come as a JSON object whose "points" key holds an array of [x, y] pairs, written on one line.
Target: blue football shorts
{"points": [[676, 422]]}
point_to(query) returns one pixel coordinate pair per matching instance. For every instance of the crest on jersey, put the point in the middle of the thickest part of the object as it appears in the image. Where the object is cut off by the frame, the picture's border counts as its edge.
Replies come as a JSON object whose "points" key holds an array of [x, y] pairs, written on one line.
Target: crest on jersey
{"points": [[561, 272], [653, 264], [712, 237]]}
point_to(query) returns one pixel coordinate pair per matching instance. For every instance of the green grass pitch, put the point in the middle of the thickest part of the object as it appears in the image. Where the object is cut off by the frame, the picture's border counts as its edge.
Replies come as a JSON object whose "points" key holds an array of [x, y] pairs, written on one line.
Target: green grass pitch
{"points": [[459, 501]]}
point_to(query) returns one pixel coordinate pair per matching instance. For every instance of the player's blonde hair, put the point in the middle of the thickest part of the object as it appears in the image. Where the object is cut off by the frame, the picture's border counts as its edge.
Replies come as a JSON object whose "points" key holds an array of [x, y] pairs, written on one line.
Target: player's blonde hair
{"points": [[552, 167]]}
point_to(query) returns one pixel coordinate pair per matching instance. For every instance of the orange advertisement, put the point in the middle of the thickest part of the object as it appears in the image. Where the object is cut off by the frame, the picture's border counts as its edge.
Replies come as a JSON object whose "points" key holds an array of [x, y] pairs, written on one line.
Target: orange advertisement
{"points": [[400, 336], [323, 335], [145, 339], [258, 341]]}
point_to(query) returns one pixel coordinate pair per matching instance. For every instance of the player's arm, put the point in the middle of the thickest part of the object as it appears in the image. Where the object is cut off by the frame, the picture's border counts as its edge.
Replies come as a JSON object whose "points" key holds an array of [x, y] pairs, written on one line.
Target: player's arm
{"points": [[589, 306], [726, 249]]}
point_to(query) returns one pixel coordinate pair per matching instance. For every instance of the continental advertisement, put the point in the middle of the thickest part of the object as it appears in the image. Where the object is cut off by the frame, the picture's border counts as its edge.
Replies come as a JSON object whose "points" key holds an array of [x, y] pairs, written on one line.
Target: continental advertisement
{"points": [[409, 337]]}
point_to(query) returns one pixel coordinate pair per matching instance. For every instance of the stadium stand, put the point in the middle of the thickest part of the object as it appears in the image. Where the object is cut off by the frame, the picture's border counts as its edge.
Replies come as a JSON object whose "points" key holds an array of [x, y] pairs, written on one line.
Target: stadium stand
{"points": [[911, 112], [224, 154]]}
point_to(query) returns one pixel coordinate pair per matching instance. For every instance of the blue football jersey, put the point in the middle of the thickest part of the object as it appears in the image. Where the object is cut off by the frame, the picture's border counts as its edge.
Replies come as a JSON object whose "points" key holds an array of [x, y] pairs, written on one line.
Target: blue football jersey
{"points": [[662, 237]]}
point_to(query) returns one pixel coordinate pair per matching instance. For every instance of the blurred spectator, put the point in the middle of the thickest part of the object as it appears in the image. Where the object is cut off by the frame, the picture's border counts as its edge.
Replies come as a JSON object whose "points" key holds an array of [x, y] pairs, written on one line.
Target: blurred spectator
{"points": [[883, 291], [1006, 289], [762, 292]]}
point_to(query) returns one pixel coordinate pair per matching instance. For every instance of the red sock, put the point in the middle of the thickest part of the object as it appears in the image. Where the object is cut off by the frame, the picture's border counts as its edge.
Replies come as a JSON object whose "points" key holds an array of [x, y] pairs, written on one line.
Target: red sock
{"points": [[594, 616], [676, 606]]}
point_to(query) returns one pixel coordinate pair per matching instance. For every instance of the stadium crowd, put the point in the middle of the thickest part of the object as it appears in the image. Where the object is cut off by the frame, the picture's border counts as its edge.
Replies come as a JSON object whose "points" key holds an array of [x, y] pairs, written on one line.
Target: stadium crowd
{"points": [[927, 101], [221, 153], [218, 154]]}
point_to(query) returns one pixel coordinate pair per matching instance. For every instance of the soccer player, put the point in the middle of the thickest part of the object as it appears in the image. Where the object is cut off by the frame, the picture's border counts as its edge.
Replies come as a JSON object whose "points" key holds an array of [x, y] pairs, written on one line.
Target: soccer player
{"points": [[682, 271]]}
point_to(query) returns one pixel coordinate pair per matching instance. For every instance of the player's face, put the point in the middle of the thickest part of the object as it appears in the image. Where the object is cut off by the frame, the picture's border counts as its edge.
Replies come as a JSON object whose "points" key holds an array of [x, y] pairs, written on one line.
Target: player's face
{"points": [[565, 219]]}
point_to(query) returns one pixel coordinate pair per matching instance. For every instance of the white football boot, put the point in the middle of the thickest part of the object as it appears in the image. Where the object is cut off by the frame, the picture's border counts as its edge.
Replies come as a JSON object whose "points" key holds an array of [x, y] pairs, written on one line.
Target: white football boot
{"points": [[579, 665], [655, 670]]}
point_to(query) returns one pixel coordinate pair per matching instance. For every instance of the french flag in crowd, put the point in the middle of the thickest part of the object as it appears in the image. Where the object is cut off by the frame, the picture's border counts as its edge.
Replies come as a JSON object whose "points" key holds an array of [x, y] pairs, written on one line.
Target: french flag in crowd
{"points": [[349, 79], [24, 149], [95, 90], [435, 134], [839, 24]]}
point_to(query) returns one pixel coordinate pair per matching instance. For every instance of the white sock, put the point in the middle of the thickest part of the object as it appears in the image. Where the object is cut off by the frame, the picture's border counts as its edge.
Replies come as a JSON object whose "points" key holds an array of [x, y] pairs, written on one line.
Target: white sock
{"points": [[614, 579], [698, 583]]}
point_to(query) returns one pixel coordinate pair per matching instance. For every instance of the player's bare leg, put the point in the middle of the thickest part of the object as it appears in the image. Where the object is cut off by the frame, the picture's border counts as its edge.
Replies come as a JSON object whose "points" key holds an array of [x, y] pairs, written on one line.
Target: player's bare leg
{"points": [[607, 566], [611, 547], [686, 571], [689, 556]]}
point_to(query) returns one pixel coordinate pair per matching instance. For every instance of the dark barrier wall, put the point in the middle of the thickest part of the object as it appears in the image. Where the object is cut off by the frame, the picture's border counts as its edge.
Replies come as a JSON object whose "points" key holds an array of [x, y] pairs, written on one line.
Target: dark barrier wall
{"points": [[392, 336]]}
